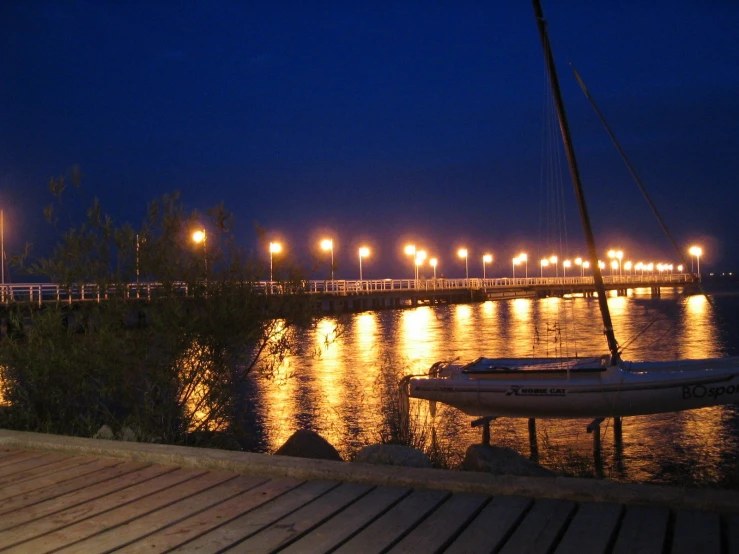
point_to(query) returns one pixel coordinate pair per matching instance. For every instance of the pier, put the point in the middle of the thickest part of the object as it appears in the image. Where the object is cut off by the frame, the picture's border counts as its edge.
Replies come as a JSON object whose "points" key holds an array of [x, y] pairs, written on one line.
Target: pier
{"points": [[341, 295]]}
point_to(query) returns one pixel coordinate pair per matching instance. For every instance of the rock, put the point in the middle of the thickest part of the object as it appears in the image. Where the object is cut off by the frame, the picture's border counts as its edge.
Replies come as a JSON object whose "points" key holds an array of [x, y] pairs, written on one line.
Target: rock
{"points": [[128, 434], [501, 461], [105, 432], [308, 444], [393, 455]]}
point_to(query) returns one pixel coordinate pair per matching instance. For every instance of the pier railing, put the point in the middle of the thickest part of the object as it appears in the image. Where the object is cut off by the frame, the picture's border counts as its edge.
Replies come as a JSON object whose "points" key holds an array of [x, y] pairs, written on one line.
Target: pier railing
{"points": [[41, 293]]}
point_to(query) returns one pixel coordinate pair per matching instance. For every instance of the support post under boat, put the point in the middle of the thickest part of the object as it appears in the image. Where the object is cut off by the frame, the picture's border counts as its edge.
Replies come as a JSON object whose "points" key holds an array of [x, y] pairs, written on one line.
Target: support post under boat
{"points": [[484, 422], [533, 444], [594, 428]]}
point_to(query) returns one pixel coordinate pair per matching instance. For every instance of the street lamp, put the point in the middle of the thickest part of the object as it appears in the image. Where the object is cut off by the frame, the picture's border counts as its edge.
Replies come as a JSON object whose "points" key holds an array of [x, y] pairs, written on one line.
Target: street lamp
{"points": [[487, 258], [565, 265], [696, 251], [198, 237], [328, 244], [543, 263], [585, 265], [554, 260], [433, 262], [363, 253], [525, 259], [418, 260], [410, 250], [628, 266], [462, 253], [516, 261], [578, 261], [274, 248]]}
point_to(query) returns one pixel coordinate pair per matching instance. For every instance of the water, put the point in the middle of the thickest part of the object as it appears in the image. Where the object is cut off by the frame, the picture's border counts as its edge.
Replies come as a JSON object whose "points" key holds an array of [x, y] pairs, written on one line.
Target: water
{"points": [[341, 384]]}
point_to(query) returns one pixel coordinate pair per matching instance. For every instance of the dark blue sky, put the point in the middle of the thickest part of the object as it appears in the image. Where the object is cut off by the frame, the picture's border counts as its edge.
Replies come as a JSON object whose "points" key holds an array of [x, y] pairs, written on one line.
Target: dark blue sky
{"points": [[380, 122]]}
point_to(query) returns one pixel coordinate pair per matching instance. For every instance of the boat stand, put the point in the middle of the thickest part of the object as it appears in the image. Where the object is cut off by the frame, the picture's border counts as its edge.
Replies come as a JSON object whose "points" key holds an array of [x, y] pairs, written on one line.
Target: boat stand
{"points": [[533, 444], [594, 428], [484, 422]]}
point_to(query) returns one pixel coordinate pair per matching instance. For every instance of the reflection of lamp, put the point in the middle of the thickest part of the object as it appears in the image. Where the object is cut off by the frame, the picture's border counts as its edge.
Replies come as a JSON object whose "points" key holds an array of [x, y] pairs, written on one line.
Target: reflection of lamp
{"points": [[363, 253], [274, 248], [462, 253], [487, 258], [328, 244], [696, 251]]}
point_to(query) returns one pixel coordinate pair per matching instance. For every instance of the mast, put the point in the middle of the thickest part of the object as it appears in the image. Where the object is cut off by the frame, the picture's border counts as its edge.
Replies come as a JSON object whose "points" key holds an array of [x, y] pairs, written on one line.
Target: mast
{"points": [[576, 183]]}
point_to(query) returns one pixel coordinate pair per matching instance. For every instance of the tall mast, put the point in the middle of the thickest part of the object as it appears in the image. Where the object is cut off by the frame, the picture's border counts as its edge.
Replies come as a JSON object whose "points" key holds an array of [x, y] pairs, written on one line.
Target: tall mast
{"points": [[576, 183]]}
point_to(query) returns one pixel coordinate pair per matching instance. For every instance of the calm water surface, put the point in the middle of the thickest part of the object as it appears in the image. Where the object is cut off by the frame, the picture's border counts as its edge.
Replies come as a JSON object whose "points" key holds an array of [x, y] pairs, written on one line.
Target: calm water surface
{"points": [[338, 385]]}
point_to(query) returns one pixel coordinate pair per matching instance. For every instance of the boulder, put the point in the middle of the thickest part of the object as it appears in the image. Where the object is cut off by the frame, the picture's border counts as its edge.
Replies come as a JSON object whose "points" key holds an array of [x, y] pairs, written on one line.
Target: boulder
{"points": [[393, 455], [308, 444], [501, 461], [105, 432], [128, 434]]}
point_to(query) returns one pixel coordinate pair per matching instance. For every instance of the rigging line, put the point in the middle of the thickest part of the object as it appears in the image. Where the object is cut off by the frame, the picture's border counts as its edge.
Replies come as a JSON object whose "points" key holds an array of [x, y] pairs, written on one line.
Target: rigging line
{"points": [[636, 178]]}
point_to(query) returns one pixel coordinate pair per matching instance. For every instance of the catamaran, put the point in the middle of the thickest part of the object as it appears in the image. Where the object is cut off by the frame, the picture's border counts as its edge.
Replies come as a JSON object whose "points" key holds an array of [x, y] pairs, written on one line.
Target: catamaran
{"points": [[600, 386]]}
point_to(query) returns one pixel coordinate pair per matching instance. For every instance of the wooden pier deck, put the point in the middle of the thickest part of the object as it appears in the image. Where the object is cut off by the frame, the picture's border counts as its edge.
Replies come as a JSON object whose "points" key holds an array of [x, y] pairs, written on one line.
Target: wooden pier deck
{"points": [[50, 501]]}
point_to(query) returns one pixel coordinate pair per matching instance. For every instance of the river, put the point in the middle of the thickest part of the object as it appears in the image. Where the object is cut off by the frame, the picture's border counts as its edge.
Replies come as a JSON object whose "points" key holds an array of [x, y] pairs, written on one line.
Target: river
{"points": [[344, 379]]}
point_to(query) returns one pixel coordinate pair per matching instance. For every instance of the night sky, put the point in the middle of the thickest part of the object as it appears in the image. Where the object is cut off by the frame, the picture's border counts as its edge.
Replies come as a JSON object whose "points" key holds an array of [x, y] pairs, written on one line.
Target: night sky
{"points": [[378, 123]]}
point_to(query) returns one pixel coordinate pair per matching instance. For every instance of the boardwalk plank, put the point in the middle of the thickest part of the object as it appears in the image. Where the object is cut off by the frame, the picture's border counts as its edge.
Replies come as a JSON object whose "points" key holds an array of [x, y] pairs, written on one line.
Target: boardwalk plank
{"points": [[492, 527], [541, 527], [592, 529], [215, 516], [74, 479], [697, 531], [52, 480], [437, 530], [118, 536], [643, 530], [104, 497], [353, 518], [34, 471], [254, 521], [732, 534], [117, 509], [395, 523], [78, 497], [297, 523], [13, 464]]}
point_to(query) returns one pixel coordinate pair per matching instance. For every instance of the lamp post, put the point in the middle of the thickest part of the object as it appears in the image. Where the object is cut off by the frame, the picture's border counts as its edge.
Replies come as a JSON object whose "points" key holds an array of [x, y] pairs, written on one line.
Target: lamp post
{"points": [[418, 260], [578, 261], [565, 265], [363, 253], [198, 237], [487, 258], [433, 262], [585, 265], [328, 244], [516, 261], [525, 259], [462, 253], [410, 250], [543, 263], [553, 260], [274, 248], [696, 251]]}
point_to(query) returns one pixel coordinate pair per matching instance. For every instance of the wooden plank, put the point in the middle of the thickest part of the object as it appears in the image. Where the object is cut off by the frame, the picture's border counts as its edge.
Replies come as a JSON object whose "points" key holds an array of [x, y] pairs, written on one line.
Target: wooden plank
{"points": [[15, 463], [438, 530], [9, 492], [33, 470], [593, 529], [199, 524], [541, 527], [33, 492], [643, 530], [395, 523], [116, 509], [121, 535], [59, 512], [353, 518], [254, 521], [697, 531], [492, 527], [294, 525], [732, 534]]}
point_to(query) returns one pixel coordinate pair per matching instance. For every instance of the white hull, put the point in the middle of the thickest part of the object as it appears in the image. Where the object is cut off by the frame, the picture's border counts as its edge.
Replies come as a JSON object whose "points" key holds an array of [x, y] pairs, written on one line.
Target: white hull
{"points": [[572, 388]]}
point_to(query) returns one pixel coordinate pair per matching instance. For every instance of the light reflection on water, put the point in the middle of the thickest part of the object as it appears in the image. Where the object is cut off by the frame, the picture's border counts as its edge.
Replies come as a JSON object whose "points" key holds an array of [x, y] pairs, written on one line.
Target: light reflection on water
{"points": [[337, 394]]}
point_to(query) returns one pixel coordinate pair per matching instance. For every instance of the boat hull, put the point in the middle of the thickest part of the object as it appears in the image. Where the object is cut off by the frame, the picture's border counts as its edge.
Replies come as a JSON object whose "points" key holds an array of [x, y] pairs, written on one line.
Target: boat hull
{"points": [[632, 388]]}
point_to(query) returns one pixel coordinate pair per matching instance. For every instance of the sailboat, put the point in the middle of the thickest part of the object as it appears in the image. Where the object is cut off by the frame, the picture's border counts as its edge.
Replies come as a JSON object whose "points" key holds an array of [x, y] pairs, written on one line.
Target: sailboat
{"points": [[573, 387]]}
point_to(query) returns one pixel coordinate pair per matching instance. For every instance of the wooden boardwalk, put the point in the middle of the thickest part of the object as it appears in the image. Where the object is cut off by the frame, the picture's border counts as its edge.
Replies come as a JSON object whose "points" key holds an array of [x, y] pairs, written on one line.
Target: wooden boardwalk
{"points": [[51, 502]]}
